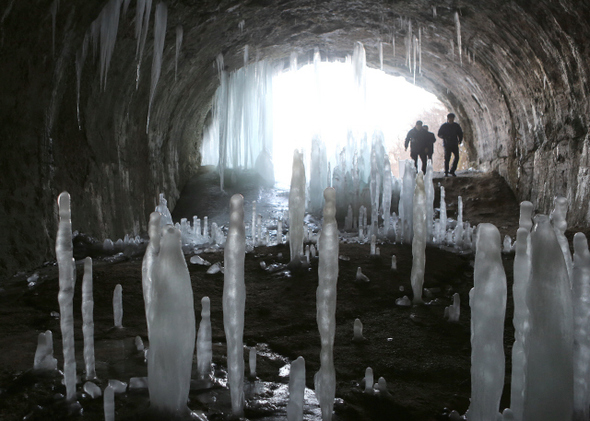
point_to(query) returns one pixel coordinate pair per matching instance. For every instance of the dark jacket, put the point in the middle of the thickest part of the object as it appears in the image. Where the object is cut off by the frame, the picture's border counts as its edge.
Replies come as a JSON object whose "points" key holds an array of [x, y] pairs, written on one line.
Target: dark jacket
{"points": [[418, 139], [430, 139], [451, 134]]}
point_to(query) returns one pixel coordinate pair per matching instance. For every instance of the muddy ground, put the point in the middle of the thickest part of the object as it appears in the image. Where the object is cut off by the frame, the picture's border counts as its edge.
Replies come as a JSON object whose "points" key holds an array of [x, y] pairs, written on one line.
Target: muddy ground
{"points": [[424, 359]]}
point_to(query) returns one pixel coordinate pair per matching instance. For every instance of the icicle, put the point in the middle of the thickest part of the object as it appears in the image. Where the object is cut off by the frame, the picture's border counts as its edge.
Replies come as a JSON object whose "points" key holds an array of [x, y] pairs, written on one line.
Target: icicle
{"points": [[458, 27], [381, 55], [420, 51], [126, 6], [80, 59], [414, 50], [54, 9], [142, 20], [419, 239], [409, 45], [179, 36], [393, 44], [369, 380], [241, 25], [160, 18], [434, 12], [109, 26]]}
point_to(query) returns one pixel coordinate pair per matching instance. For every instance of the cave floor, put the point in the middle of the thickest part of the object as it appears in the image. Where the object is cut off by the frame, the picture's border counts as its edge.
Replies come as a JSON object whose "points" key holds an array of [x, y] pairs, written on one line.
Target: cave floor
{"points": [[424, 359]]}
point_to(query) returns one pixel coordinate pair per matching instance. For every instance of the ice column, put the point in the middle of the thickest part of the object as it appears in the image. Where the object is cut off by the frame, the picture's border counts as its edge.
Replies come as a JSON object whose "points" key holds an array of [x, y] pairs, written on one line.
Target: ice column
{"points": [[549, 367], [44, 354], [118, 305], [296, 390], [325, 379], [151, 253], [160, 20], [522, 268], [88, 319], [64, 252], [581, 302], [297, 206], [234, 302], [487, 299], [172, 327], [204, 341], [429, 188], [179, 36], [560, 225], [419, 240]]}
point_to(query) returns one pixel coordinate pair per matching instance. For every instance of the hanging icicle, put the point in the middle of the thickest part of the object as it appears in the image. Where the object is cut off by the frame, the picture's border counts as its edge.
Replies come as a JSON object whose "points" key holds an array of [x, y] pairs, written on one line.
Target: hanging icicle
{"points": [[80, 59], [109, 26], [160, 20], [420, 50], [381, 55], [54, 9], [179, 36], [142, 20], [458, 26]]}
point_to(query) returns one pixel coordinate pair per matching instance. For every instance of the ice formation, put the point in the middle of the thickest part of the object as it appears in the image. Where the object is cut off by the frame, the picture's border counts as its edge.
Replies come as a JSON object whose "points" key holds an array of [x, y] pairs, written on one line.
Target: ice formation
{"points": [[419, 240], [80, 60], [581, 303], [360, 276], [406, 207], [393, 262], [526, 215], [458, 29], [88, 319], [151, 253], [458, 234], [142, 20], [296, 207], [429, 189], [318, 176], [488, 306], [118, 305], [558, 220], [64, 252], [296, 390], [108, 23], [548, 393], [92, 390], [179, 36], [453, 311], [234, 302], [252, 362], [44, 354], [139, 344], [381, 386], [160, 21], [358, 331], [204, 341], [325, 379], [522, 268], [369, 380], [172, 327]]}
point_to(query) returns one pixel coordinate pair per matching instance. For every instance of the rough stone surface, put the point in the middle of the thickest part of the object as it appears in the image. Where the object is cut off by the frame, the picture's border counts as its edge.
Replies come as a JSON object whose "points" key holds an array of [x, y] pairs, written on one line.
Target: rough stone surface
{"points": [[521, 95]]}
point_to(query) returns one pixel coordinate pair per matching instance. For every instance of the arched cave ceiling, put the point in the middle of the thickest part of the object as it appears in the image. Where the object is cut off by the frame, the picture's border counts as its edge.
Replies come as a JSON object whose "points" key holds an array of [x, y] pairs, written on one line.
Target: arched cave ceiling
{"points": [[520, 91]]}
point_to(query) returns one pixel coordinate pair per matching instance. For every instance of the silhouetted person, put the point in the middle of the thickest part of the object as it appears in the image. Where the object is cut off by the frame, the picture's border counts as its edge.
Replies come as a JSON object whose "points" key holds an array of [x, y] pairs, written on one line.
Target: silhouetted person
{"points": [[430, 139], [418, 148], [452, 136]]}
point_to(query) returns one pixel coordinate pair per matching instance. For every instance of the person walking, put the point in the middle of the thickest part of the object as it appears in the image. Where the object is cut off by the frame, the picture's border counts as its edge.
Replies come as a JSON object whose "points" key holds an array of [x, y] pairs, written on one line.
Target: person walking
{"points": [[452, 136], [418, 148], [430, 140]]}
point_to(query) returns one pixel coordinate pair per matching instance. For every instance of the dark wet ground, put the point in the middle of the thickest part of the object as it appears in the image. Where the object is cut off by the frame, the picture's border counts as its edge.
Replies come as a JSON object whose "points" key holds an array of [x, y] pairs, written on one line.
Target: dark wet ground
{"points": [[424, 359]]}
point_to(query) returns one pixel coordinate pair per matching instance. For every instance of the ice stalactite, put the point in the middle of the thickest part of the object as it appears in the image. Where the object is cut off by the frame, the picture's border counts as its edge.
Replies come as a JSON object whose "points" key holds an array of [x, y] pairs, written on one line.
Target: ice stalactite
{"points": [[172, 327], [160, 22], [64, 252], [296, 390], [149, 257], [458, 29], [54, 9], [142, 20], [297, 207], [408, 40], [558, 219], [429, 188], [419, 239], [204, 341], [125, 6], [581, 302], [44, 353], [118, 306], [393, 44], [487, 299], [179, 36], [325, 379], [549, 382], [380, 55], [522, 268], [420, 51], [80, 59], [234, 303], [88, 319], [109, 26]]}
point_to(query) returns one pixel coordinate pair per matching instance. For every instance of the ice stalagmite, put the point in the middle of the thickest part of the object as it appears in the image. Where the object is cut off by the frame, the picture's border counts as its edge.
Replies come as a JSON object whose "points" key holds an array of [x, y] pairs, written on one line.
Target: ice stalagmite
{"points": [[522, 269], [429, 188], [179, 36], [234, 302], [204, 341], [44, 354], [325, 379], [443, 216], [318, 177], [487, 299], [160, 21], [88, 319], [387, 193], [581, 302], [297, 207], [526, 215], [458, 234], [296, 390], [64, 252], [558, 219], [151, 253], [406, 212], [172, 327], [369, 381], [548, 394], [419, 240]]}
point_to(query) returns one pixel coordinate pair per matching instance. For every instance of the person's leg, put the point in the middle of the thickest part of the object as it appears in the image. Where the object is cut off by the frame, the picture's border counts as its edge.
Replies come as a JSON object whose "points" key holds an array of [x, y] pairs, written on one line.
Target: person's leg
{"points": [[414, 156], [447, 159], [455, 151], [424, 158]]}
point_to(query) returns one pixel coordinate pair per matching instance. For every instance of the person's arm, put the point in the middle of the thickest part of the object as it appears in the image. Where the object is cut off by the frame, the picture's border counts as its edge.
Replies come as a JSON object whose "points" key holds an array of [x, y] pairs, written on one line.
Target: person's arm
{"points": [[408, 138], [441, 131], [460, 134]]}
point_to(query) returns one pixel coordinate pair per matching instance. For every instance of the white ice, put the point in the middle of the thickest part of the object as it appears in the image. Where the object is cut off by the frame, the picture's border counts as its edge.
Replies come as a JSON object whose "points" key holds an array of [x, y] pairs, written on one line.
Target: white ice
{"points": [[369, 380], [44, 354], [358, 331], [118, 306], [88, 319], [419, 240], [204, 341], [296, 207], [296, 390]]}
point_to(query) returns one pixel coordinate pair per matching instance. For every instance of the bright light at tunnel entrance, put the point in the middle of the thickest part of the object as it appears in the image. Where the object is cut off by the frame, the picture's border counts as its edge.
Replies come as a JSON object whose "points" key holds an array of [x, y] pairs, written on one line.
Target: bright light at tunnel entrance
{"points": [[306, 103]]}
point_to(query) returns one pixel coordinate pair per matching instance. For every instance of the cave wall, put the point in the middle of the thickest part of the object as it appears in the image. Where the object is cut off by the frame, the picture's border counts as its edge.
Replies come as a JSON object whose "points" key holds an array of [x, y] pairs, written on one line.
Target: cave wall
{"points": [[519, 89]]}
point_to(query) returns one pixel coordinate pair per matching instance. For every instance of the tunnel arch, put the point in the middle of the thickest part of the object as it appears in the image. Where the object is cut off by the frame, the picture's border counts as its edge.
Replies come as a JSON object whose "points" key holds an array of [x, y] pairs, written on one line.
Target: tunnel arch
{"points": [[521, 94]]}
